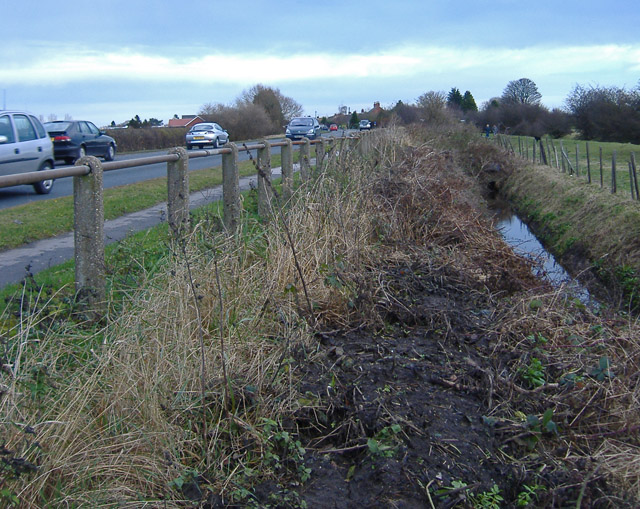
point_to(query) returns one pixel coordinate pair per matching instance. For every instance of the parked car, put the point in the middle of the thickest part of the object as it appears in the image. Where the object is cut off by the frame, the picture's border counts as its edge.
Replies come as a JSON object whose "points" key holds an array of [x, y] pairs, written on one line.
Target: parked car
{"points": [[25, 147], [365, 125], [206, 133], [333, 127], [302, 127], [73, 139]]}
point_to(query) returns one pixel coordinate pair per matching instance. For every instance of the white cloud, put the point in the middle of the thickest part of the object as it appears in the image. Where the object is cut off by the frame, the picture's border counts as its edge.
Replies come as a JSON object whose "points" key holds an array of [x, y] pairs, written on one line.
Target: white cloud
{"points": [[67, 66]]}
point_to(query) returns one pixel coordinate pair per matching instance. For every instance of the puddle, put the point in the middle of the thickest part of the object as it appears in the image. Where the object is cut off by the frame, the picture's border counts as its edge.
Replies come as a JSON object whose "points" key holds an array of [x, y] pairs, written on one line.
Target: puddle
{"points": [[518, 235]]}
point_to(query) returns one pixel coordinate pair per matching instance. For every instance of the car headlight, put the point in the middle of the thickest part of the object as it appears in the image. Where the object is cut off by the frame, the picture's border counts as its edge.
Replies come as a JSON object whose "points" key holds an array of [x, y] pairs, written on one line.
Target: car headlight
{"points": [[287, 131], [310, 131]]}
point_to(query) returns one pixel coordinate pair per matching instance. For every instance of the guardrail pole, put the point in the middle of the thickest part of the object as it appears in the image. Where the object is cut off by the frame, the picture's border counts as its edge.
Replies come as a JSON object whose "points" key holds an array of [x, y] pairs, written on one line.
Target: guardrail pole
{"points": [[320, 153], [88, 207], [231, 189], [305, 159], [286, 154], [178, 191], [265, 192]]}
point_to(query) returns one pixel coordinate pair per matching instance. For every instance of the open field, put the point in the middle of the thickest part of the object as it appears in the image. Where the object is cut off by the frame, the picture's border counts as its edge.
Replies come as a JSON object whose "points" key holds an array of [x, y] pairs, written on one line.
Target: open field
{"points": [[581, 165]]}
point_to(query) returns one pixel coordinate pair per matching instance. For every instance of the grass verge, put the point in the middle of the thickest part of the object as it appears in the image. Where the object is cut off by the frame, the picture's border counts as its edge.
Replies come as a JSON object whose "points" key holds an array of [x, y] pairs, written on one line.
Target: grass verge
{"points": [[48, 218]]}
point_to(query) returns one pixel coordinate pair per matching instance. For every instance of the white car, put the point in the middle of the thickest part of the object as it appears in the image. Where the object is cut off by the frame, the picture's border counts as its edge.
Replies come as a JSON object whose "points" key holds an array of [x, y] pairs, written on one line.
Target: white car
{"points": [[206, 133], [25, 146]]}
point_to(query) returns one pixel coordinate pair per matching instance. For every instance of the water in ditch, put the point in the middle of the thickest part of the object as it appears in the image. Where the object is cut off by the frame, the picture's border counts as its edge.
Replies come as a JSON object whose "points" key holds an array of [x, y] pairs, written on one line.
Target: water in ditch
{"points": [[518, 235]]}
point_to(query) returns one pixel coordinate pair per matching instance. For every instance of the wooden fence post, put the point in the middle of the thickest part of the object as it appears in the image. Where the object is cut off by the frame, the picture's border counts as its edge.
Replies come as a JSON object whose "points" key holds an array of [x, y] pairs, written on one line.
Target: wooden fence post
{"points": [[635, 175], [614, 180], [265, 192], [543, 155], [588, 164], [305, 159], [577, 161], [286, 154], [178, 191], [88, 234], [601, 170], [232, 206]]}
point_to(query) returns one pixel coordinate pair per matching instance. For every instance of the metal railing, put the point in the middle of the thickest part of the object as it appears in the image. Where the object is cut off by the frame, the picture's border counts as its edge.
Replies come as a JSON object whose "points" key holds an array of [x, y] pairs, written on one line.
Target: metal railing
{"points": [[87, 173]]}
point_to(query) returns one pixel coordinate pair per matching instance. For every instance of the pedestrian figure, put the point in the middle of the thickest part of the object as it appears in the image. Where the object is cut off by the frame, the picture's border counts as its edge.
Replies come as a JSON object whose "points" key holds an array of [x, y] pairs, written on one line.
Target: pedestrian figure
{"points": [[487, 130]]}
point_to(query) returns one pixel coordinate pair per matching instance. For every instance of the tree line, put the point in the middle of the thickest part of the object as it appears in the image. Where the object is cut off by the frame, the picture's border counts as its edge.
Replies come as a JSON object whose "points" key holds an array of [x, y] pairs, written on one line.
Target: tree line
{"points": [[594, 112]]}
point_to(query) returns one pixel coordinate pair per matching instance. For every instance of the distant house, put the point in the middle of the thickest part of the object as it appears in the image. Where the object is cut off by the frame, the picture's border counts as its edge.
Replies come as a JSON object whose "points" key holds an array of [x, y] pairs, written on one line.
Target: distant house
{"points": [[185, 121]]}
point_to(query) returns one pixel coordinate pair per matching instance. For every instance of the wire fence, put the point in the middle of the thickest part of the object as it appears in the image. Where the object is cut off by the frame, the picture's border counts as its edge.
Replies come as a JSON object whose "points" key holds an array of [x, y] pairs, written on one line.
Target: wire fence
{"points": [[610, 165]]}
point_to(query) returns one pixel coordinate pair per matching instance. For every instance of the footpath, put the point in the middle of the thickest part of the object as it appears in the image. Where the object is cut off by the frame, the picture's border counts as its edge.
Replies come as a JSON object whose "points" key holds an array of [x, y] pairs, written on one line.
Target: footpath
{"points": [[46, 253]]}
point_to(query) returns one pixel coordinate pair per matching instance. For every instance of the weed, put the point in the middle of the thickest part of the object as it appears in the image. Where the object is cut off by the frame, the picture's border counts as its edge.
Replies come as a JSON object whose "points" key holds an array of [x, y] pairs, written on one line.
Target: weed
{"points": [[602, 370], [534, 373], [385, 443], [528, 495], [491, 499]]}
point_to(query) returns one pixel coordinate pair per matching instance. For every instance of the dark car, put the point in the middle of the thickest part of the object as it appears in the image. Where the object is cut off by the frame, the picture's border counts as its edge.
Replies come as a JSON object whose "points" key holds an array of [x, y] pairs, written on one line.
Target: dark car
{"points": [[73, 139], [302, 127]]}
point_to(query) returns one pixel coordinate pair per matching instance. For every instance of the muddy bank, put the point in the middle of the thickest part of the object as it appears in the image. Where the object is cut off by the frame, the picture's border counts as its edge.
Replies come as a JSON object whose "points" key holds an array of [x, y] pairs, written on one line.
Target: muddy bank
{"points": [[460, 386], [591, 231]]}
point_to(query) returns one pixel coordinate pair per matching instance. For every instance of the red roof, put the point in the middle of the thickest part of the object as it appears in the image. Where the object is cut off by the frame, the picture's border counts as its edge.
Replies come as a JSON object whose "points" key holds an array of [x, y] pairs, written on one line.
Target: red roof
{"points": [[185, 122]]}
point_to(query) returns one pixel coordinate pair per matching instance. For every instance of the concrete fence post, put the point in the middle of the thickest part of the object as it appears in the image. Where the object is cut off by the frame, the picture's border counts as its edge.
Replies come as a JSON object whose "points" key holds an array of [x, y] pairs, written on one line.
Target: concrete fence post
{"points": [[231, 189], [320, 153], [88, 222], [265, 192], [305, 159], [178, 191], [286, 154]]}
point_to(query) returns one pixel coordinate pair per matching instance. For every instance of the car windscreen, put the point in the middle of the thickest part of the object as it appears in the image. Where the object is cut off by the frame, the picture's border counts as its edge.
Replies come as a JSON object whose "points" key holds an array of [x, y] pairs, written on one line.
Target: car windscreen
{"points": [[301, 121]]}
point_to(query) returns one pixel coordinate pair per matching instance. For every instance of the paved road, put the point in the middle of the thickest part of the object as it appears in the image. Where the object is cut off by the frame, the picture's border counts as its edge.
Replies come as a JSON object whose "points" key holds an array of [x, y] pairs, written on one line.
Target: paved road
{"points": [[18, 195], [47, 253]]}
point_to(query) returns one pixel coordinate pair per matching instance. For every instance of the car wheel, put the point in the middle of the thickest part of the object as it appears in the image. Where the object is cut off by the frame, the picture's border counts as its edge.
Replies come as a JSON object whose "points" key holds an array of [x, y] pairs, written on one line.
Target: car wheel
{"points": [[189, 147], [215, 143], [111, 153], [44, 186]]}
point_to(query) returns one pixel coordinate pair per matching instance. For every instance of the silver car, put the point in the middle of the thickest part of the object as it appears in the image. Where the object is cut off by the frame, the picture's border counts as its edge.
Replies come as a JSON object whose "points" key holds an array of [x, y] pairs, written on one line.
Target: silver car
{"points": [[302, 127], [206, 133], [25, 146]]}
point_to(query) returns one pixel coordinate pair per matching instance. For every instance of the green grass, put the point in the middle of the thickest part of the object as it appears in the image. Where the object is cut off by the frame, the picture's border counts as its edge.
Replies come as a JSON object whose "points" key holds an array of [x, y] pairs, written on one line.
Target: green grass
{"points": [[48, 218], [149, 248], [623, 153]]}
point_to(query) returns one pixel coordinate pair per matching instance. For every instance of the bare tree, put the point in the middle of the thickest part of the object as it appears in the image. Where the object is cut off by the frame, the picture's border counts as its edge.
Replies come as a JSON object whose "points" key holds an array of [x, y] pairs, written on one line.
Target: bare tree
{"points": [[281, 108], [243, 120], [522, 91]]}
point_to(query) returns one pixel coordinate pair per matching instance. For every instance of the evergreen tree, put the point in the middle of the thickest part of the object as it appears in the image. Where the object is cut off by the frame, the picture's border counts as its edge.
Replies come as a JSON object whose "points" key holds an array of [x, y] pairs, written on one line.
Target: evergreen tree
{"points": [[454, 98], [353, 121], [468, 103]]}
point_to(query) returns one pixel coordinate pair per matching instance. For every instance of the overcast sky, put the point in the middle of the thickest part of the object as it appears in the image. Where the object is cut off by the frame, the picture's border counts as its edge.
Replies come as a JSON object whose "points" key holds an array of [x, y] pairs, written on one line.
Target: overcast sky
{"points": [[112, 60]]}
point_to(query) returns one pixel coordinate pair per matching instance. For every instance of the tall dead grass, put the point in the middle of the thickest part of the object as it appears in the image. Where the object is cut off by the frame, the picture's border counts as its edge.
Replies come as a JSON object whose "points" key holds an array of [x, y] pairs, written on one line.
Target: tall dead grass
{"points": [[121, 416]]}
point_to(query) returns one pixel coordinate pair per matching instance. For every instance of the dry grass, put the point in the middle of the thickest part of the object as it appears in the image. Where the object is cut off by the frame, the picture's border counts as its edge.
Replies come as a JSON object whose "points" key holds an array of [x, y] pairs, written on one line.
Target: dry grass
{"points": [[116, 416], [146, 411]]}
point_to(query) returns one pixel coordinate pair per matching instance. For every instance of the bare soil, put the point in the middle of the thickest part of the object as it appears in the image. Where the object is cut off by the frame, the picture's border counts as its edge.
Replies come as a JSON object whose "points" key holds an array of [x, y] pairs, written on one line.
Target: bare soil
{"points": [[425, 406]]}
